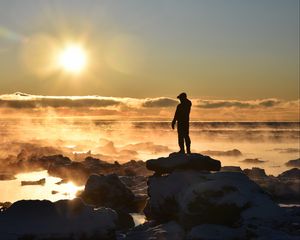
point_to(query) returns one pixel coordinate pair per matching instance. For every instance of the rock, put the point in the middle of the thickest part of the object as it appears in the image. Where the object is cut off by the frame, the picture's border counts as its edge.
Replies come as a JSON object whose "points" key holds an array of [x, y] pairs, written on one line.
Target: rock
{"points": [[214, 232], [42, 181], [231, 169], [253, 161], [125, 220], [150, 230], [7, 176], [58, 220], [175, 161], [193, 198], [293, 163], [74, 171], [108, 191], [292, 174], [255, 173], [53, 160], [229, 153], [4, 205]]}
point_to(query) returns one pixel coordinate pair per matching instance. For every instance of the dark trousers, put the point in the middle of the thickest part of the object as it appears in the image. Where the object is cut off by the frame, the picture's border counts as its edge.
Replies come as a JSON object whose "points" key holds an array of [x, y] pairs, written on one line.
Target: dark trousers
{"points": [[183, 136]]}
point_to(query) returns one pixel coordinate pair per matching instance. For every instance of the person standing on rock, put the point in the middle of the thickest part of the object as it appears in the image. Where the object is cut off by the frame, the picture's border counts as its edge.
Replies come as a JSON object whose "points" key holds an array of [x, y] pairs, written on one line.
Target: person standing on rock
{"points": [[182, 117]]}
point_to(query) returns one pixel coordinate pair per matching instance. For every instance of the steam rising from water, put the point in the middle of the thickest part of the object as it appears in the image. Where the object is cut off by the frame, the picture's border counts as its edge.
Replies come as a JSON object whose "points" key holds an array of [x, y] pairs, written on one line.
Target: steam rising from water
{"points": [[141, 140]]}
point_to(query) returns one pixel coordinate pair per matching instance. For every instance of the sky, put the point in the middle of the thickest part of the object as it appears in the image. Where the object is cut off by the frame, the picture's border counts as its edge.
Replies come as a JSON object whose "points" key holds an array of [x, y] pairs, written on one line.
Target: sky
{"points": [[226, 55], [234, 49]]}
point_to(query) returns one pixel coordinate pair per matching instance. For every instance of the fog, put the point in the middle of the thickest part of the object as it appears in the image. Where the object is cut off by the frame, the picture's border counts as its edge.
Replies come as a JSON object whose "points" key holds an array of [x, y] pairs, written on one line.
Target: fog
{"points": [[122, 141]]}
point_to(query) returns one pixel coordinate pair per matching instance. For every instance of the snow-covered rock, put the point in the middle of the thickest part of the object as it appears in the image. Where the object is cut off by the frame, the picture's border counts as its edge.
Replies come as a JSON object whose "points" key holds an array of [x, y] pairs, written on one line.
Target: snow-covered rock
{"points": [[215, 232], [193, 198], [61, 219], [176, 161], [150, 230]]}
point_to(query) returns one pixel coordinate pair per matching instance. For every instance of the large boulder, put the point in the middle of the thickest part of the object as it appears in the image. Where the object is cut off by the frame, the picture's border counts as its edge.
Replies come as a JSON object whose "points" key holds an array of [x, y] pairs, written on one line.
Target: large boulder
{"points": [[58, 220], [193, 198], [175, 161], [108, 191]]}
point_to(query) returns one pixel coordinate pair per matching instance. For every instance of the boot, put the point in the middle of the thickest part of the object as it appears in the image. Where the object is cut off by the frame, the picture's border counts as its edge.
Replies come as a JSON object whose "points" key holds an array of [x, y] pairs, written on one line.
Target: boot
{"points": [[188, 149]]}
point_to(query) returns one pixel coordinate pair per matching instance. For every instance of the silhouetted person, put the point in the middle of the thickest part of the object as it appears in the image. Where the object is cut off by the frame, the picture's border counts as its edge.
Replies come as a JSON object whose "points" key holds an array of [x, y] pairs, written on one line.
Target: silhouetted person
{"points": [[182, 116]]}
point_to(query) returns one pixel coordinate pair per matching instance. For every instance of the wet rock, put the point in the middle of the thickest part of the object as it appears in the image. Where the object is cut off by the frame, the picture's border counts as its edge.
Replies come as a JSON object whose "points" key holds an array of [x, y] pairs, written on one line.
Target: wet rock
{"points": [[229, 153], [42, 181], [175, 161]]}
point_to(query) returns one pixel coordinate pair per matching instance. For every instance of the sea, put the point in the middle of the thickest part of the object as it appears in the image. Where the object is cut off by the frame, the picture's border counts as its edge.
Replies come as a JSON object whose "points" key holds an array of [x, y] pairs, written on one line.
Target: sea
{"points": [[266, 145]]}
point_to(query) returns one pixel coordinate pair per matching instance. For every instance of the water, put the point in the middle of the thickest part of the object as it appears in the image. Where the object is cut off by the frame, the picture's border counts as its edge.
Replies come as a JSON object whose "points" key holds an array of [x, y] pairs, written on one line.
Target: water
{"points": [[272, 142], [12, 190]]}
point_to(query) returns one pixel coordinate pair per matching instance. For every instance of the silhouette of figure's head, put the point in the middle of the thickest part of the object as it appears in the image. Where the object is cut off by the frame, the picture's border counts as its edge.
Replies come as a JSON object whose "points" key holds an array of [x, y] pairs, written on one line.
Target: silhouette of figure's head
{"points": [[182, 96]]}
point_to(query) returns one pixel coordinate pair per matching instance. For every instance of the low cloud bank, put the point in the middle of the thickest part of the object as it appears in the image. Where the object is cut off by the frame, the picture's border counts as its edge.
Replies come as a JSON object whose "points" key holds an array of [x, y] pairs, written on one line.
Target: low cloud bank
{"points": [[160, 107]]}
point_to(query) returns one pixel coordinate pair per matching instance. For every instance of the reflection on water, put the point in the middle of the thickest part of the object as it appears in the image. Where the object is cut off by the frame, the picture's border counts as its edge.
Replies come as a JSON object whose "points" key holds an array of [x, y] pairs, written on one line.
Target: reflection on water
{"points": [[12, 190], [138, 218]]}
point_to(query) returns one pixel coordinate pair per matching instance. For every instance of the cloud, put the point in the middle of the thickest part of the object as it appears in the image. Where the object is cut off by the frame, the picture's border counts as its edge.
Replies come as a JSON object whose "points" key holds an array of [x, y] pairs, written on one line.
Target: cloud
{"points": [[159, 102], [237, 103], [22, 100], [149, 108]]}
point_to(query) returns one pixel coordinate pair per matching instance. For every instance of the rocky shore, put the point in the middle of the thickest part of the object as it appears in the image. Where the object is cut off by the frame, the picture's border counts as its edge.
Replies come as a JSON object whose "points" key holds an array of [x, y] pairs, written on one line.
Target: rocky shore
{"points": [[184, 197]]}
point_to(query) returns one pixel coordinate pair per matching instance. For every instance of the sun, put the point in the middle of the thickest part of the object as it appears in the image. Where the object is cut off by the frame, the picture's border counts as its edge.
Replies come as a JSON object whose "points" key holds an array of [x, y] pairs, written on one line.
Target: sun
{"points": [[72, 59]]}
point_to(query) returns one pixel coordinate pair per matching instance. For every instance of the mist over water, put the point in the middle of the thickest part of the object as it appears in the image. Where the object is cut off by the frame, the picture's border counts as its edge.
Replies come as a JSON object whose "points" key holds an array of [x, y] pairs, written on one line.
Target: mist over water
{"points": [[274, 143]]}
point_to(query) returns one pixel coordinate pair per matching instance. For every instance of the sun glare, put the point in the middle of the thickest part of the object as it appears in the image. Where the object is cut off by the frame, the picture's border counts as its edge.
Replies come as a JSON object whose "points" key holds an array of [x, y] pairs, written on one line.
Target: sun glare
{"points": [[72, 59], [71, 190]]}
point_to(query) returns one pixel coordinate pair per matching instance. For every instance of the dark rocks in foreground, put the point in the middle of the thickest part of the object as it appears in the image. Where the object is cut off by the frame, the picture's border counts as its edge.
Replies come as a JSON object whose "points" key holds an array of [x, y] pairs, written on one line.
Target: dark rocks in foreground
{"points": [[58, 220], [187, 203], [192, 198], [284, 188], [177, 161], [110, 191]]}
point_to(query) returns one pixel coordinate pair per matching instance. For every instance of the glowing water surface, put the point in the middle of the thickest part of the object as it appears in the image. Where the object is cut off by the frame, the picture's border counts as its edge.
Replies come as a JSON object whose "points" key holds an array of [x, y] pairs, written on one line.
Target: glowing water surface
{"points": [[12, 190]]}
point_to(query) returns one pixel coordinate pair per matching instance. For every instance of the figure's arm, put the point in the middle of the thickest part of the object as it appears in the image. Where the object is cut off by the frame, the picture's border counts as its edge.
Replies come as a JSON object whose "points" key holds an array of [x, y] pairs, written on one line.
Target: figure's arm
{"points": [[175, 118]]}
